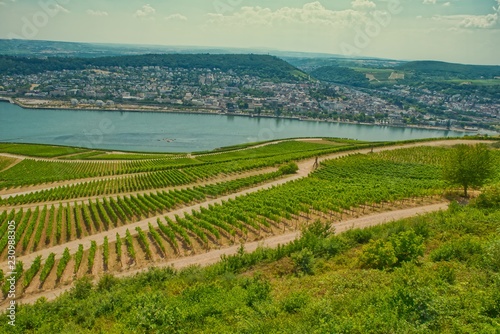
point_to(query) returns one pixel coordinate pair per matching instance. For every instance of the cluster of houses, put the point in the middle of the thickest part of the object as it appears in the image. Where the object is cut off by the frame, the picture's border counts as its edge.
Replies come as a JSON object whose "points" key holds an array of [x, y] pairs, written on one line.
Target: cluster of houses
{"points": [[212, 89]]}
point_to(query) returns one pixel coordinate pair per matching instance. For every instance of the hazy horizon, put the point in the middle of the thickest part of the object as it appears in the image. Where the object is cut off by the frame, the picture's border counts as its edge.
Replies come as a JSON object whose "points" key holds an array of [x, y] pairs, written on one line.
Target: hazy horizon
{"points": [[460, 31]]}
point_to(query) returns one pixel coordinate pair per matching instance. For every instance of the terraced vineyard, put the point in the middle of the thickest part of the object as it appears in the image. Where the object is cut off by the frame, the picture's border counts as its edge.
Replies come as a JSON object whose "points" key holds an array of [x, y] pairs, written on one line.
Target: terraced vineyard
{"points": [[68, 232], [32, 172]]}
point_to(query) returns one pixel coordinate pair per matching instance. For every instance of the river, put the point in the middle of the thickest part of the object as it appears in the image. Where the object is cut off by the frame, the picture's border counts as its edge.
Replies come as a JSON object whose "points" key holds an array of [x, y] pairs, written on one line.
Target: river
{"points": [[176, 132]]}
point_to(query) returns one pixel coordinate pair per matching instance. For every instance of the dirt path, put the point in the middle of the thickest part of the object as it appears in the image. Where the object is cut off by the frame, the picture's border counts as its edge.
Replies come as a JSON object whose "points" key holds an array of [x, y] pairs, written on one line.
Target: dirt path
{"points": [[214, 256], [210, 181], [180, 156], [5, 193], [305, 167]]}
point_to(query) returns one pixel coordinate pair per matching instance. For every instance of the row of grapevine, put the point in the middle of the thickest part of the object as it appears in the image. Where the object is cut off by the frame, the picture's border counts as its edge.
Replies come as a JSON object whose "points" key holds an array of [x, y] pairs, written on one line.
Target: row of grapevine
{"points": [[82, 219], [165, 178], [63, 263], [32, 172]]}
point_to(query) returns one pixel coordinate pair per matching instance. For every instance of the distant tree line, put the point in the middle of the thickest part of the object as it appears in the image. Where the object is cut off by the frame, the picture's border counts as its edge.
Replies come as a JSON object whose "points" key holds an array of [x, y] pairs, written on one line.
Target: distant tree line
{"points": [[262, 66]]}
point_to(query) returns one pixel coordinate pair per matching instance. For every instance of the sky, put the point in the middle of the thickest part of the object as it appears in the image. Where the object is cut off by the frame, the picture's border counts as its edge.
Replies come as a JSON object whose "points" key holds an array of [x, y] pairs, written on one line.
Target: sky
{"points": [[463, 31]]}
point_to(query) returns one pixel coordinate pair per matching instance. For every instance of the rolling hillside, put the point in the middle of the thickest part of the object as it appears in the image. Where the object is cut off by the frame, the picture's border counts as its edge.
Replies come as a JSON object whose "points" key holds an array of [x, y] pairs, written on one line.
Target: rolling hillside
{"points": [[262, 66]]}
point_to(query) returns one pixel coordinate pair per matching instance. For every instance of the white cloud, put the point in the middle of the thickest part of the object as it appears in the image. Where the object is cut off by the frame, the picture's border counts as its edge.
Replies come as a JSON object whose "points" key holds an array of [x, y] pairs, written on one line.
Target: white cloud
{"points": [[176, 17], [96, 13], [470, 21], [430, 2], [489, 21], [479, 21], [313, 13], [145, 12], [363, 4]]}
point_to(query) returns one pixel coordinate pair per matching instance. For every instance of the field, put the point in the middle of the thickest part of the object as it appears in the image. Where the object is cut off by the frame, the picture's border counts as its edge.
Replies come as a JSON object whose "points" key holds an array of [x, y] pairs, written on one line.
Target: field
{"points": [[41, 151], [79, 220]]}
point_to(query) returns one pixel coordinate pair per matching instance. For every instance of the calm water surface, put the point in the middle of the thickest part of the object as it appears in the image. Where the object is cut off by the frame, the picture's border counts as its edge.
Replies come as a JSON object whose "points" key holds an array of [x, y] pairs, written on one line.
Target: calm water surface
{"points": [[173, 132]]}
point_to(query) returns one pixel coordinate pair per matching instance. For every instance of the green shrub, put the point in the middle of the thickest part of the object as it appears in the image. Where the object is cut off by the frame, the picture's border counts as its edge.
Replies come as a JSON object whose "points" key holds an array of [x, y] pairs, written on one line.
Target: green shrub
{"points": [[83, 288], [290, 168], [359, 236], [489, 198], [408, 246], [492, 256], [378, 254], [258, 290], [460, 250], [303, 262], [294, 302]]}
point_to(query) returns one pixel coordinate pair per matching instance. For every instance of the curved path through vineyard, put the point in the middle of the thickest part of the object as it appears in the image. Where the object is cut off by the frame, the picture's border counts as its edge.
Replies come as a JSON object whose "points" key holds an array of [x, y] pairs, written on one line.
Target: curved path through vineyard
{"points": [[214, 256], [6, 193], [305, 167], [180, 156], [207, 182]]}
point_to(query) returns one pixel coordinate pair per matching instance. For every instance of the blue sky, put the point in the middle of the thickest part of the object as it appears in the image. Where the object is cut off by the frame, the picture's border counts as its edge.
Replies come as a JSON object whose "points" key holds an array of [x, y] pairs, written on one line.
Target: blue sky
{"points": [[466, 31]]}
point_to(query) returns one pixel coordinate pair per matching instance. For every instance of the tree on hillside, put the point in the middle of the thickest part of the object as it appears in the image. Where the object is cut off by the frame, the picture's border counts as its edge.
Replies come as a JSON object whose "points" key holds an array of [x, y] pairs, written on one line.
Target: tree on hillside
{"points": [[468, 166]]}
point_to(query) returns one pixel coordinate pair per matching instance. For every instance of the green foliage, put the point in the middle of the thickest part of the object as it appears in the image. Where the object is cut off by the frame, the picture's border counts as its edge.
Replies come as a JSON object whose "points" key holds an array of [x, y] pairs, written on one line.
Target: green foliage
{"points": [[465, 249], [303, 262], [91, 258], [47, 267], [32, 271], [63, 263], [468, 166], [492, 255], [82, 289], [408, 246], [41, 151], [443, 70], [78, 258], [130, 244], [258, 290], [378, 254], [295, 302], [400, 248], [340, 75], [5, 162], [489, 198], [106, 283], [442, 297], [105, 252], [264, 66], [118, 247], [143, 240], [290, 168], [411, 298]]}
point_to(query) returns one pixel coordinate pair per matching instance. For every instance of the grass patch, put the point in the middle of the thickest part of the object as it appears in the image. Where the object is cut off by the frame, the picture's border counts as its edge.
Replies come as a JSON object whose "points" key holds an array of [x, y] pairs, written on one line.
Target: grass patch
{"points": [[41, 151]]}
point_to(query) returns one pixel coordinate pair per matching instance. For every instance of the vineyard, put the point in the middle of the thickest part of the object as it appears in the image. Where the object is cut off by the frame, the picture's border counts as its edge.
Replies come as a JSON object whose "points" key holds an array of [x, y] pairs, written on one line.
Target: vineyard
{"points": [[32, 172], [142, 229], [91, 217]]}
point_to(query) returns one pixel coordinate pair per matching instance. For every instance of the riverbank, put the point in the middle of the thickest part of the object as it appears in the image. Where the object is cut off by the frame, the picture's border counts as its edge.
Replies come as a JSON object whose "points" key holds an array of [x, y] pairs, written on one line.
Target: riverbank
{"points": [[61, 105]]}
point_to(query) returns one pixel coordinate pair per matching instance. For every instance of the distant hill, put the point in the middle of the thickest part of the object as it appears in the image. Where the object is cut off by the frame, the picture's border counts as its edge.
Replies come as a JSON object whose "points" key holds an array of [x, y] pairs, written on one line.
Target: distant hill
{"points": [[262, 66], [443, 70], [340, 75]]}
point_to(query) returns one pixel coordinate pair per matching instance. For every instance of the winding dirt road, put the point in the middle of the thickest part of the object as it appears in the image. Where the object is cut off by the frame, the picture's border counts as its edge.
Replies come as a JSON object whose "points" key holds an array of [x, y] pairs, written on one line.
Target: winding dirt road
{"points": [[305, 167], [211, 257]]}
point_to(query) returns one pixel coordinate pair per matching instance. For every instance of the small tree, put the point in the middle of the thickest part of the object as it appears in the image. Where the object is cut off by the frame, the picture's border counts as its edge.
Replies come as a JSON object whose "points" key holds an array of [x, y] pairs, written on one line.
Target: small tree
{"points": [[468, 166]]}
